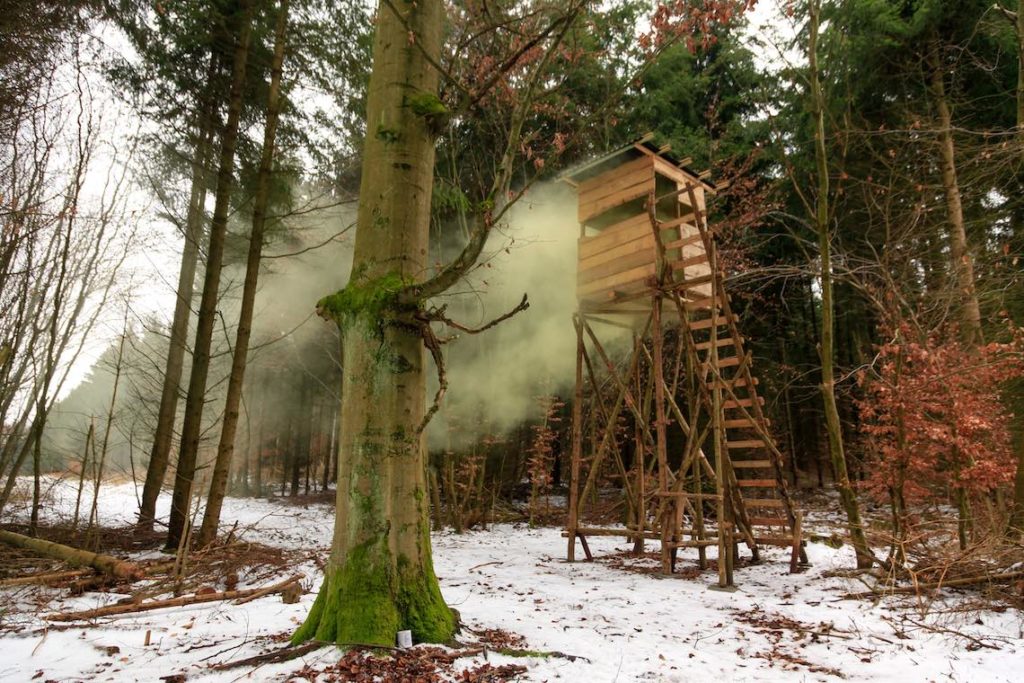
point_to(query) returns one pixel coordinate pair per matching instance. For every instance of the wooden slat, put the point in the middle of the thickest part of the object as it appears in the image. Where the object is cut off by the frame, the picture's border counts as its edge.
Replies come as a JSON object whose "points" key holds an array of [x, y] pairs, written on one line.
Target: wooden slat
{"points": [[741, 423], [751, 443], [641, 243], [638, 274], [681, 220], [627, 293], [757, 483], [762, 502], [632, 228], [692, 544], [630, 261], [624, 178], [729, 362], [784, 541], [737, 383], [701, 304], [597, 181], [722, 341], [751, 464], [718, 320], [621, 264], [769, 521], [684, 241], [743, 402], [690, 262], [686, 494], [623, 189], [639, 189]]}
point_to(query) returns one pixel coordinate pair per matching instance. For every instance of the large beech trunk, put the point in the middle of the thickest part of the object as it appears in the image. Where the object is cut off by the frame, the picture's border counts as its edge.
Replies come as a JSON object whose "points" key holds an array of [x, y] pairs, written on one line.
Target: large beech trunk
{"points": [[226, 447], [380, 577], [194, 403]]}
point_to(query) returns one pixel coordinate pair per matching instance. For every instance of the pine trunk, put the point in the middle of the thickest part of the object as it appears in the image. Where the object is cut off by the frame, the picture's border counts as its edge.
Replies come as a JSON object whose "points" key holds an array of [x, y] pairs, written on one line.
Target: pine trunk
{"points": [[226, 447], [1015, 525], [194, 403], [832, 423], [962, 265], [159, 456], [380, 576]]}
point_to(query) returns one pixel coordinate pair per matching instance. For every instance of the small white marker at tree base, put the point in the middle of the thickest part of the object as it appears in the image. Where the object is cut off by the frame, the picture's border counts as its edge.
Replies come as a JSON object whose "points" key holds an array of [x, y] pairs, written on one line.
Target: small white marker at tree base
{"points": [[404, 639]]}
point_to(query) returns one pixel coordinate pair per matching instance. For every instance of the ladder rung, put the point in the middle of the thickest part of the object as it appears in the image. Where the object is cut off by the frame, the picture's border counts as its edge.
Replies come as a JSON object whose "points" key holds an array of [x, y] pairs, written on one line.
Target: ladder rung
{"points": [[701, 304], [768, 521], [722, 341], [750, 443], [774, 540], [692, 282], [686, 241], [751, 464], [692, 261], [736, 384], [743, 402], [719, 321], [762, 502], [757, 483], [742, 423]]}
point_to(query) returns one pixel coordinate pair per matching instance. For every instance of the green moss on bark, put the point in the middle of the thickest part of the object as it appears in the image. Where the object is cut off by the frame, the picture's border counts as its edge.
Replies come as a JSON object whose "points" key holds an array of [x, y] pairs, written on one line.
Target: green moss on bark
{"points": [[372, 298], [367, 601]]}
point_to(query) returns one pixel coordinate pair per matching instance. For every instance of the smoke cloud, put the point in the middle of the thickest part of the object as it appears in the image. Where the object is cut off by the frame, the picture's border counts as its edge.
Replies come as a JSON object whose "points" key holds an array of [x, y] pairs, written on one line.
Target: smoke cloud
{"points": [[496, 377]]}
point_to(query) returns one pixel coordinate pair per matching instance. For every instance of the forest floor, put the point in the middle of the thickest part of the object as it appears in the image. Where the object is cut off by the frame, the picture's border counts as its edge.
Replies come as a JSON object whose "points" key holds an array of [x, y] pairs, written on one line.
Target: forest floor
{"points": [[615, 619]]}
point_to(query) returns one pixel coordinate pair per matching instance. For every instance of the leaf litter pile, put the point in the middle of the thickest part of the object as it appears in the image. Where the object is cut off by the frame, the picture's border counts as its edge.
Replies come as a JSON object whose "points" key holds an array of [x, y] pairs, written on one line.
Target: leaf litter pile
{"points": [[421, 664]]}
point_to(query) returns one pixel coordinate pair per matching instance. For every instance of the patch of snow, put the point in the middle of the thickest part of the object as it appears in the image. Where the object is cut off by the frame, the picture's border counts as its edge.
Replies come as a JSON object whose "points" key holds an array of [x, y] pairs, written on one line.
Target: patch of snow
{"points": [[621, 624]]}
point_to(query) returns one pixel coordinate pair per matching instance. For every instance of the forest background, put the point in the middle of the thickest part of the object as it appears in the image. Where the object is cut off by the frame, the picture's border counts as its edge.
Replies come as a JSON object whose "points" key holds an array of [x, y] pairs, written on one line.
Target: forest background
{"points": [[141, 135]]}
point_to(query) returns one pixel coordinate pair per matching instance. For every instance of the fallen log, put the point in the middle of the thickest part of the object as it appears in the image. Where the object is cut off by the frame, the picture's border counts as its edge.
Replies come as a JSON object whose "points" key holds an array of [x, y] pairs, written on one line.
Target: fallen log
{"points": [[46, 577], [75, 556], [133, 607], [951, 583]]}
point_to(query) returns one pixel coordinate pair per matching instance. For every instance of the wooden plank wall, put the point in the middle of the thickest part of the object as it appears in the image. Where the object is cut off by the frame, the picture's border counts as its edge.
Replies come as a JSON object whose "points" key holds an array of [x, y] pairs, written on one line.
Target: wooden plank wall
{"points": [[617, 263], [622, 184]]}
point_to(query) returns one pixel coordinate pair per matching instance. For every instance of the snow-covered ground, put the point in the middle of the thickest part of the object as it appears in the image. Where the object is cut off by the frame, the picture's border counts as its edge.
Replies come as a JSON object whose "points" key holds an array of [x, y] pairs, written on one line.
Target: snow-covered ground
{"points": [[620, 624]]}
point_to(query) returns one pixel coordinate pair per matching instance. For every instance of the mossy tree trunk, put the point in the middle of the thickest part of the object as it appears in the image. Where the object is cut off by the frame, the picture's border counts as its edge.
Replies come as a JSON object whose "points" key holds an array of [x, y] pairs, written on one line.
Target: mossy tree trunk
{"points": [[380, 577]]}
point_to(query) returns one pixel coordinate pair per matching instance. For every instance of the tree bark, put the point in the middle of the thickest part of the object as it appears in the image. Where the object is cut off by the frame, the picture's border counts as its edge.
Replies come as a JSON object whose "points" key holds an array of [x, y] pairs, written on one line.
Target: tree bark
{"points": [[160, 454], [380, 578], [194, 404], [1015, 524], [226, 447], [961, 262], [835, 434], [960, 256], [104, 563]]}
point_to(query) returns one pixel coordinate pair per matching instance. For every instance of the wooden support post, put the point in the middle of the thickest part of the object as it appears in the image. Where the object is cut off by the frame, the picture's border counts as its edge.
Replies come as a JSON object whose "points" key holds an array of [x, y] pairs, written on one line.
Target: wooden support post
{"points": [[577, 444], [639, 470], [661, 422], [798, 542]]}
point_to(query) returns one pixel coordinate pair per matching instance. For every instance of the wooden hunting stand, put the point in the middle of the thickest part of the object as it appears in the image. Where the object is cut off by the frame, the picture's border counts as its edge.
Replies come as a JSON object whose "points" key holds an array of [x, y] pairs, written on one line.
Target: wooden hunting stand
{"points": [[655, 330]]}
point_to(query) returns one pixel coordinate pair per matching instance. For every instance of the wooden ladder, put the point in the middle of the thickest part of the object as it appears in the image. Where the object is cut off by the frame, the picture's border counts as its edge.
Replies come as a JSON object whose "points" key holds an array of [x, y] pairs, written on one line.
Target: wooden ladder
{"points": [[754, 502]]}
